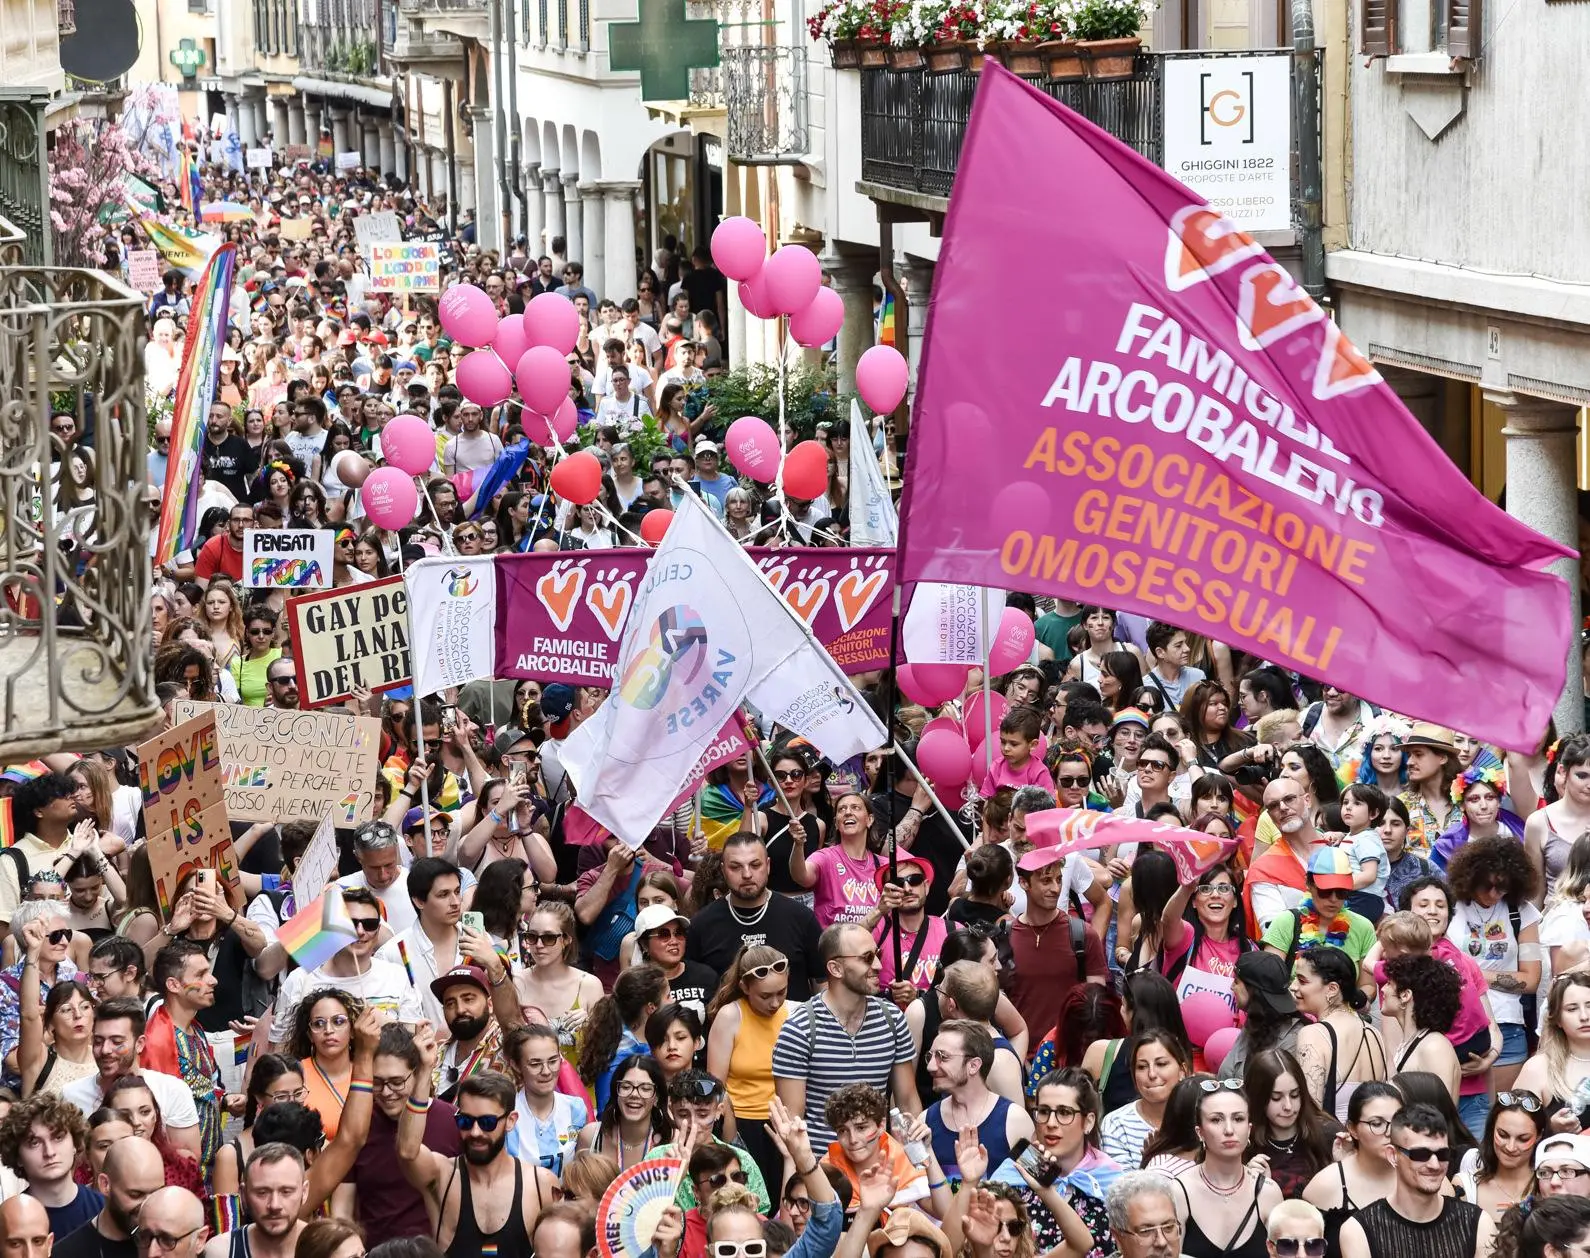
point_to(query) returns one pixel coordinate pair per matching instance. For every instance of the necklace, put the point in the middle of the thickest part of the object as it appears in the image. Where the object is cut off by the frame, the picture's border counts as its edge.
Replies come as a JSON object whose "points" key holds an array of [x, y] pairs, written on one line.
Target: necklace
{"points": [[1284, 1146], [754, 917], [1221, 1190]]}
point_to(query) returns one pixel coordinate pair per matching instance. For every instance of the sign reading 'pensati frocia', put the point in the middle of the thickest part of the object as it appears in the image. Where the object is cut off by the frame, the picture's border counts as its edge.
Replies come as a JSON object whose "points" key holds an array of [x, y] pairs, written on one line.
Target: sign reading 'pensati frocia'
{"points": [[1187, 435], [288, 559]]}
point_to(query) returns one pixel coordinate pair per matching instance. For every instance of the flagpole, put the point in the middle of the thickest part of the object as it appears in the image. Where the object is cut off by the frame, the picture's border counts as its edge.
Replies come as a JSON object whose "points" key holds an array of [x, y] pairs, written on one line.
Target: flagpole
{"points": [[938, 804], [891, 697], [419, 711], [988, 685]]}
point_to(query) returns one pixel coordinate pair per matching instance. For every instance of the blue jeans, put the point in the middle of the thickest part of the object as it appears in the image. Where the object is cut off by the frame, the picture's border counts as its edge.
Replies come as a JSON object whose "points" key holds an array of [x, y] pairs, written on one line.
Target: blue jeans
{"points": [[1474, 1110]]}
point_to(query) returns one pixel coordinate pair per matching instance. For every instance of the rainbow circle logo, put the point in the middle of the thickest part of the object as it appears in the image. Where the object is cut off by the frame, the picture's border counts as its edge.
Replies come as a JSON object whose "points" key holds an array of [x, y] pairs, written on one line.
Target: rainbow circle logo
{"points": [[676, 649]]}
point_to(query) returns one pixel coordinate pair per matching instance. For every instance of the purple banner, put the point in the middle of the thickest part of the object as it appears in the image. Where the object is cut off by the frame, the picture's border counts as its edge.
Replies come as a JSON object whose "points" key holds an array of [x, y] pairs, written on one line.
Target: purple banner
{"points": [[560, 617]]}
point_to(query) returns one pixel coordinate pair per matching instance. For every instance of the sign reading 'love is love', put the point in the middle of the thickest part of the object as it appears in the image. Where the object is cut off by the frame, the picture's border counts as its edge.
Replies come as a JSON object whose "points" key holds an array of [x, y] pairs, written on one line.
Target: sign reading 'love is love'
{"points": [[561, 618]]}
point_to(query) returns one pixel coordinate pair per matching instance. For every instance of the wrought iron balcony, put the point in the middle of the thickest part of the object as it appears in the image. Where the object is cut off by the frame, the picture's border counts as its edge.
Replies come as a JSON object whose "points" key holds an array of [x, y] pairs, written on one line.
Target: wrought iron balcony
{"points": [[764, 88], [13, 243], [75, 670]]}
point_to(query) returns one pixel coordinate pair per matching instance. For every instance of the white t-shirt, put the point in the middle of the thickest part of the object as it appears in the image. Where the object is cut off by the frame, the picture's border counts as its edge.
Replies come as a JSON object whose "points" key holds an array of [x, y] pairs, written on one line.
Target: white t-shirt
{"points": [[602, 384], [173, 1097], [646, 336], [625, 416], [1563, 924], [395, 899], [384, 985], [1487, 936]]}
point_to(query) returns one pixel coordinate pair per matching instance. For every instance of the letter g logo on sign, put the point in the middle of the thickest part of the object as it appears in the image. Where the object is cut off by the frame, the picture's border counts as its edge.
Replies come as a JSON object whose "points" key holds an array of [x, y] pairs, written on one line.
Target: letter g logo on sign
{"points": [[1226, 108]]}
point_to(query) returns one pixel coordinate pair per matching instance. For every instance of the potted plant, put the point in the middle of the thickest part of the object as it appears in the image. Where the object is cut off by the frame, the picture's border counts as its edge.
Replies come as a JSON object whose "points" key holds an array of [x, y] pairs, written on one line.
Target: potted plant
{"points": [[956, 36], [857, 32], [1108, 30], [1020, 28]]}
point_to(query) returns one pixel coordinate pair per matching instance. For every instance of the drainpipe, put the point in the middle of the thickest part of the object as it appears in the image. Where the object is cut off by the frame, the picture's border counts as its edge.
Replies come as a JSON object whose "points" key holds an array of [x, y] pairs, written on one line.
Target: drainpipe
{"points": [[449, 138], [504, 218], [902, 311], [1305, 88], [515, 174]]}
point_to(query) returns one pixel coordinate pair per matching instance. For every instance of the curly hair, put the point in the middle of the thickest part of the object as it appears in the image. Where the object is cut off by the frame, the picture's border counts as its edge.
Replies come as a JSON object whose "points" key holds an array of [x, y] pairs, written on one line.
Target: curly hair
{"points": [[855, 1102], [1435, 987], [60, 1117], [301, 1046], [1502, 859]]}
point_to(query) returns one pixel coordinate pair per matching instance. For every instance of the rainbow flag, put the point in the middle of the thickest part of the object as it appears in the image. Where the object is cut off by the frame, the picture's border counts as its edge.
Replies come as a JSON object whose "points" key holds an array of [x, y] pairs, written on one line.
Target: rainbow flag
{"points": [[189, 189], [20, 773], [201, 362], [318, 931], [886, 329], [183, 247], [8, 825]]}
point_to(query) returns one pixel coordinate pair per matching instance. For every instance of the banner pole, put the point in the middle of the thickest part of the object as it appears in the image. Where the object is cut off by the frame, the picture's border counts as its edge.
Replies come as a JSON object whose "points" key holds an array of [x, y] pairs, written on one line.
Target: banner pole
{"points": [[988, 685], [419, 711], [892, 697]]}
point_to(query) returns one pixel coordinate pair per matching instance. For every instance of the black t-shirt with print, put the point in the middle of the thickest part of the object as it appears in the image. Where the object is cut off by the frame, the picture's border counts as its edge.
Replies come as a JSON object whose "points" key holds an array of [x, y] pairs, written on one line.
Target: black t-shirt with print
{"points": [[229, 463]]}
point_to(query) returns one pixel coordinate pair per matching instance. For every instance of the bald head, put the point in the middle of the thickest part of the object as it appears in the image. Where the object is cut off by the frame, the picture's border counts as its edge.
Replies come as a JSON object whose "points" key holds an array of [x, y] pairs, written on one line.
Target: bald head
{"points": [[178, 1216], [132, 1174], [25, 1228], [133, 1158]]}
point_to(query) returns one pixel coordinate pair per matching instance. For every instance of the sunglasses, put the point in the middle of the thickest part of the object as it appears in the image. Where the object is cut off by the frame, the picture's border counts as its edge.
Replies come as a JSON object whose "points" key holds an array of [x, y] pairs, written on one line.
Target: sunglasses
{"points": [[758, 972], [715, 1182], [739, 1249], [1422, 1153], [789, 775], [1289, 1247], [366, 925], [1071, 783], [1214, 1085], [59, 936], [488, 1123], [667, 932], [909, 880], [1158, 766], [1526, 1101], [704, 1089], [546, 938]]}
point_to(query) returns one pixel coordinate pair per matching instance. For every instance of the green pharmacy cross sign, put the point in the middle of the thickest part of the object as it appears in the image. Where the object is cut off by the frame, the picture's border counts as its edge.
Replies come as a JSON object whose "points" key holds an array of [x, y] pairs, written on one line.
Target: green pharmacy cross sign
{"points": [[188, 57], [664, 45]]}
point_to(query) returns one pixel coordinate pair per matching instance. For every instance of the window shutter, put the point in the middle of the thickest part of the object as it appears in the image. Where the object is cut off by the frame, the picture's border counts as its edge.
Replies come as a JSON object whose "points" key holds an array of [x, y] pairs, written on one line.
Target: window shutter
{"points": [[1378, 20], [1463, 30]]}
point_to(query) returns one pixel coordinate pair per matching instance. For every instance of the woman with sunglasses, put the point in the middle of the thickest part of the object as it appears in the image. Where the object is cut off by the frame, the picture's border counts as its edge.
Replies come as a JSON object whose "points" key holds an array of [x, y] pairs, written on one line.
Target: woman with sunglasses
{"points": [[323, 1043], [1174, 1147], [660, 938], [1500, 1173], [1291, 1137], [1364, 1173], [745, 1017], [259, 652], [1223, 1203], [275, 1079], [55, 1044], [553, 991], [635, 1118], [771, 819], [1295, 1230]]}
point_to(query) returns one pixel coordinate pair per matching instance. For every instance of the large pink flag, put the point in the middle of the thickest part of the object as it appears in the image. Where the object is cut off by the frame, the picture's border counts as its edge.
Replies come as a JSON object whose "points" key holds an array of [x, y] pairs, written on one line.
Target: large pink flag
{"points": [[1171, 426]]}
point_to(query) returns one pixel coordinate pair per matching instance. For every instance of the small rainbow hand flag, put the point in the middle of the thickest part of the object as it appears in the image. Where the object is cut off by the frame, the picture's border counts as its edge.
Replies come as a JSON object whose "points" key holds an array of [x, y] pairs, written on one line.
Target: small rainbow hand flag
{"points": [[318, 931]]}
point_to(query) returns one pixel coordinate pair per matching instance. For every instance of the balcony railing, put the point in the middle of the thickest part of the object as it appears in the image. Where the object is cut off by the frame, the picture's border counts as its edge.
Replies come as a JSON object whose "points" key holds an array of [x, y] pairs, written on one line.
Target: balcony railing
{"points": [[74, 568], [765, 94], [24, 178], [913, 123], [13, 244]]}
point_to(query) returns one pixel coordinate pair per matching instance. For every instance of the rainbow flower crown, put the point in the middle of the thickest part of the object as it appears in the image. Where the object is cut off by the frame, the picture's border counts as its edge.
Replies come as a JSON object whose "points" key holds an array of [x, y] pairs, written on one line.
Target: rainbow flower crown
{"points": [[1491, 775]]}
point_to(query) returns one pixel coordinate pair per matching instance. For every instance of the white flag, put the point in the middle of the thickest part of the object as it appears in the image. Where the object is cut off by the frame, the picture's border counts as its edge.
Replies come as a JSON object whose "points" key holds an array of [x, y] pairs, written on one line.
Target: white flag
{"points": [[873, 521], [706, 634], [452, 620], [949, 624]]}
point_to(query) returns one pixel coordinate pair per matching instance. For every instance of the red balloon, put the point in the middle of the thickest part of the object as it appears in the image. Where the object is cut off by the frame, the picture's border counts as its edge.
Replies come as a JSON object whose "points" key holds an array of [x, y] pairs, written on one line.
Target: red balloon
{"points": [[806, 471], [654, 524], [578, 478]]}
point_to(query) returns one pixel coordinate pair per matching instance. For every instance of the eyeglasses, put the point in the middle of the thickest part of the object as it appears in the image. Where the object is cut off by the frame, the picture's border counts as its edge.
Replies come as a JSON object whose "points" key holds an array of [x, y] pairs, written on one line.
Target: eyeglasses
{"points": [[1276, 805], [715, 1182], [910, 880], [1156, 766], [866, 958], [666, 932], [546, 938], [1214, 1085], [738, 1249], [336, 1022], [1290, 1247], [96, 979], [1065, 1115], [486, 1122], [1546, 1173], [797, 1203], [1169, 1231], [1526, 1101], [59, 936], [285, 1098], [1071, 783], [1423, 1153], [1216, 888], [637, 1089], [758, 972], [399, 1084], [1379, 1126], [147, 1238], [366, 925], [260, 631]]}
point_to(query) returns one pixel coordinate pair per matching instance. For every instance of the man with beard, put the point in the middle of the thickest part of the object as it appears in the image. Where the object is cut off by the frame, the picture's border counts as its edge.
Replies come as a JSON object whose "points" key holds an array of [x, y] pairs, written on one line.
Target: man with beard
{"points": [[175, 1043], [44, 812], [487, 1201], [274, 1189], [958, 1063], [476, 1043], [223, 553], [1277, 881], [133, 1172], [751, 914], [1142, 1214], [225, 456], [1336, 723], [118, 1043], [902, 907]]}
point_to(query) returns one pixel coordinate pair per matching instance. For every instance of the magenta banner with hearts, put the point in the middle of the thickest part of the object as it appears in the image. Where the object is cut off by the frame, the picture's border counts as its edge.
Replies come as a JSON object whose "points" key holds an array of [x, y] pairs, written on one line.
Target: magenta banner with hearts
{"points": [[560, 616], [1183, 432]]}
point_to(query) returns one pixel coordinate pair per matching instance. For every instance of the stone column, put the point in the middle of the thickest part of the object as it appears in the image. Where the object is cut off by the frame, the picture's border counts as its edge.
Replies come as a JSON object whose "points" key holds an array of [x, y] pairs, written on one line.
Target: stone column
{"points": [[400, 158], [535, 213], [341, 132], [1542, 492], [246, 131], [851, 276], [262, 117], [574, 221], [386, 142], [619, 263], [484, 190], [918, 275], [552, 196], [281, 125], [593, 238], [372, 144], [314, 119], [296, 123]]}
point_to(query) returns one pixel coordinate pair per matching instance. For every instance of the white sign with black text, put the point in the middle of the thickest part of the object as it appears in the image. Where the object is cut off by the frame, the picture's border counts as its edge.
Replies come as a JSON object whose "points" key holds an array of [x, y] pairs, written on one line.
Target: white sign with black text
{"points": [[288, 559]]}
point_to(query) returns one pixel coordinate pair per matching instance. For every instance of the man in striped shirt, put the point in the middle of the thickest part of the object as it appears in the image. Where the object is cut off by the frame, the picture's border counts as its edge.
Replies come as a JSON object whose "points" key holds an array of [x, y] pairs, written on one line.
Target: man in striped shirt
{"points": [[846, 1034]]}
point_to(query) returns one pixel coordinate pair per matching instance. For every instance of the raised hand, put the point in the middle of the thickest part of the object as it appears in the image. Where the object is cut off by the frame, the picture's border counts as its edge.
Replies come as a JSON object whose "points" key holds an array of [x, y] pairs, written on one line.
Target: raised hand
{"points": [[980, 1223], [789, 1131], [970, 1156], [425, 1043], [876, 1188]]}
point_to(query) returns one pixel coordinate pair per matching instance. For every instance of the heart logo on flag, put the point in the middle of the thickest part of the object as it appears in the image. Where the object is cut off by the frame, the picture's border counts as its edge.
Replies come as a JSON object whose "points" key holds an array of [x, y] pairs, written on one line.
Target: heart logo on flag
{"points": [[559, 592], [855, 594], [777, 574], [609, 604], [1193, 857], [806, 597]]}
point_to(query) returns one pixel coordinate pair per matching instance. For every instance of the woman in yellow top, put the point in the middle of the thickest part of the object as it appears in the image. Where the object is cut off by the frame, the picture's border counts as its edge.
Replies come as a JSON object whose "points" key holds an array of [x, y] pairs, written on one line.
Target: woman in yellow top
{"points": [[322, 1041], [746, 1015]]}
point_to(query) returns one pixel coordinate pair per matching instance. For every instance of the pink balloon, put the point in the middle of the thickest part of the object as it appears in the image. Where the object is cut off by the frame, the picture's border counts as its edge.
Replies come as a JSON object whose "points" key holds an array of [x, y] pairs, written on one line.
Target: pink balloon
{"points": [[1219, 1048], [943, 722], [468, 315], [752, 446], [551, 319], [351, 468], [407, 443], [1205, 1013], [562, 423], [944, 758], [976, 727], [483, 379], [389, 498], [882, 375], [754, 297], [931, 684], [1012, 642], [792, 277], [819, 322], [543, 378], [510, 341], [739, 247]]}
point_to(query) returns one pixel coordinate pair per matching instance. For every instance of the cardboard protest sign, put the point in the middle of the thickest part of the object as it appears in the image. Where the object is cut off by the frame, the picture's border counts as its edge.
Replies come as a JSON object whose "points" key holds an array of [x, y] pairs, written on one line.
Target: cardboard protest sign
{"points": [[185, 813], [376, 226], [318, 865], [288, 559], [354, 638], [404, 266], [297, 228], [143, 269], [258, 159], [350, 161], [280, 765]]}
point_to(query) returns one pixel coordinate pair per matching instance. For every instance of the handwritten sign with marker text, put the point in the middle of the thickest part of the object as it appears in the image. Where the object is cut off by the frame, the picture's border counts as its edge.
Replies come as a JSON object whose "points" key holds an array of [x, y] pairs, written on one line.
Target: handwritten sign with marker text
{"points": [[400, 266], [288, 559], [355, 638], [185, 815]]}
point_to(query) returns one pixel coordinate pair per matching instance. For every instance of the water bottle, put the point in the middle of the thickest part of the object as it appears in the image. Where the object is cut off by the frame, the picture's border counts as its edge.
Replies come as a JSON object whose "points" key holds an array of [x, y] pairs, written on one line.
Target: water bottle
{"points": [[1579, 1103], [916, 1151]]}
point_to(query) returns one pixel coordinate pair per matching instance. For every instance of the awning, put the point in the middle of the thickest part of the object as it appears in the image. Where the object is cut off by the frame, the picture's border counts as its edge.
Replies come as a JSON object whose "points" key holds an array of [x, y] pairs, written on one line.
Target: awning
{"points": [[379, 97]]}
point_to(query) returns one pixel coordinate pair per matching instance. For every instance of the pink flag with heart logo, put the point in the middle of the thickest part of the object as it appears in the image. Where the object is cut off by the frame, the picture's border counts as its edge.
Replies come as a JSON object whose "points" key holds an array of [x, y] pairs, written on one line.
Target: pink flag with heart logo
{"points": [[1178, 430], [1058, 832]]}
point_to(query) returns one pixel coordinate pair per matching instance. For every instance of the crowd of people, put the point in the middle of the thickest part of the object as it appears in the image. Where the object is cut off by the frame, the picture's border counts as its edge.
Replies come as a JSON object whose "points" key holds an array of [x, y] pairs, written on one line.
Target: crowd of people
{"points": [[862, 1015]]}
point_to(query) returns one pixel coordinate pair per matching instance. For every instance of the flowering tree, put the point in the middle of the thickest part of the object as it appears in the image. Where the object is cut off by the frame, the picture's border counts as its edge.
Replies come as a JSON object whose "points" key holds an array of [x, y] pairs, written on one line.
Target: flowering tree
{"points": [[88, 164]]}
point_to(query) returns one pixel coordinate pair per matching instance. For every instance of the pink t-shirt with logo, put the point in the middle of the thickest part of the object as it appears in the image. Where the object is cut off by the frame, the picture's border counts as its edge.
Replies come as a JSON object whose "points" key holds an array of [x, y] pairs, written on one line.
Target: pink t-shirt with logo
{"points": [[845, 890], [927, 962]]}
